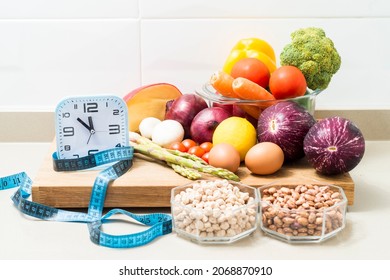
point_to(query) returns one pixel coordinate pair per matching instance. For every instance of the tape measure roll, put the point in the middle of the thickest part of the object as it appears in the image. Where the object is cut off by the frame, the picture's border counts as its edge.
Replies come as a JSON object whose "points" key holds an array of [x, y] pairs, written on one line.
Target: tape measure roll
{"points": [[160, 223], [91, 161]]}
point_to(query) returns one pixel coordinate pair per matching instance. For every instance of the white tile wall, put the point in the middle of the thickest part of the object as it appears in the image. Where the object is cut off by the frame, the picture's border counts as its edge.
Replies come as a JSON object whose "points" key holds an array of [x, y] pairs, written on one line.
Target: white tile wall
{"points": [[53, 48], [69, 9], [263, 9], [42, 61]]}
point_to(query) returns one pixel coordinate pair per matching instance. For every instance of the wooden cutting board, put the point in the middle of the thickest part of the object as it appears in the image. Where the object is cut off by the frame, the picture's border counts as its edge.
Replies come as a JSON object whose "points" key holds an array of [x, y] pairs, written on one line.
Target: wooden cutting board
{"points": [[149, 183]]}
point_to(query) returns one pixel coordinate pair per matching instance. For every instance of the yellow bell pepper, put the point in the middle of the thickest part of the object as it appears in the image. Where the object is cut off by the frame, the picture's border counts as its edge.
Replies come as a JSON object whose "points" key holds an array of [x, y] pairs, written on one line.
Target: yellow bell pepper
{"points": [[251, 47]]}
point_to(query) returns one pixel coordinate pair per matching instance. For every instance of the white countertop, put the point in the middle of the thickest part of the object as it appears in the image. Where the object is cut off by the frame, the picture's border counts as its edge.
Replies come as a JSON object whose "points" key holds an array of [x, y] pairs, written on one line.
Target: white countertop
{"points": [[363, 238]]}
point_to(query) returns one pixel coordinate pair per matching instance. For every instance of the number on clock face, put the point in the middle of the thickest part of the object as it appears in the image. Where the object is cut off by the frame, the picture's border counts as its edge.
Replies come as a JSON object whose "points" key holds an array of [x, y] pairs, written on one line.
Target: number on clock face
{"points": [[86, 125]]}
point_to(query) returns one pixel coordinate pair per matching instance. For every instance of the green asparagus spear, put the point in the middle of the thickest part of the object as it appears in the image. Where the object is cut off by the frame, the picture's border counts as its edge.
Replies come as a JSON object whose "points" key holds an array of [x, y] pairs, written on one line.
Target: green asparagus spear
{"points": [[148, 148], [187, 155], [185, 172]]}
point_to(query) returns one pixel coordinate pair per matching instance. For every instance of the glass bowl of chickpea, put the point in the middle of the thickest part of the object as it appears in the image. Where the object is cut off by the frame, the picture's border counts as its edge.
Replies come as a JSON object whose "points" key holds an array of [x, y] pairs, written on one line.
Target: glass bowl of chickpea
{"points": [[302, 213], [214, 211]]}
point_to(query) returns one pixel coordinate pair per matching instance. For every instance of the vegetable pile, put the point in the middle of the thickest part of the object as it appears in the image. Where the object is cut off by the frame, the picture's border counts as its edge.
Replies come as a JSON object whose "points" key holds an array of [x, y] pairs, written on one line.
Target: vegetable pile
{"points": [[251, 73], [193, 136]]}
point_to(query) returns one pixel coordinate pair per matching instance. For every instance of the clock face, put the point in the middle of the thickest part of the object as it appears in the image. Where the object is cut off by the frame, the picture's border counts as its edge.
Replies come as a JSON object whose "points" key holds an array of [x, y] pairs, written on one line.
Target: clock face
{"points": [[86, 125]]}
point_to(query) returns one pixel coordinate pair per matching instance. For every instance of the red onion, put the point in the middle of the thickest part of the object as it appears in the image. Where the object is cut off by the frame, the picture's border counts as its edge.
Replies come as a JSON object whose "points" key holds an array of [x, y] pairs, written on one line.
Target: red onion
{"points": [[184, 109], [205, 122]]}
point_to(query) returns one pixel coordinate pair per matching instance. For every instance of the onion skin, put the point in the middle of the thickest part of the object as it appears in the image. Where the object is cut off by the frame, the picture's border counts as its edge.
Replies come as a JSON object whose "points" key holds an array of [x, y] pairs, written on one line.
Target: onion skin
{"points": [[205, 122], [168, 105], [334, 146], [184, 109], [285, 124]]}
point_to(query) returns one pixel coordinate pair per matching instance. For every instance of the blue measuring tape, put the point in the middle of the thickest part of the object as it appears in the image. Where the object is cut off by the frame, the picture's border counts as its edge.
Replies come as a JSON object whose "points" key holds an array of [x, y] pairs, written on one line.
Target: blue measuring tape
{"points": [[159, 223]]}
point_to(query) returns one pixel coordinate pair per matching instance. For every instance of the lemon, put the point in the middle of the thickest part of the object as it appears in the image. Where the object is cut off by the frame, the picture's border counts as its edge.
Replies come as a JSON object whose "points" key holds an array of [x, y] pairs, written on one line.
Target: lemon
{"points": [[238, 132]]}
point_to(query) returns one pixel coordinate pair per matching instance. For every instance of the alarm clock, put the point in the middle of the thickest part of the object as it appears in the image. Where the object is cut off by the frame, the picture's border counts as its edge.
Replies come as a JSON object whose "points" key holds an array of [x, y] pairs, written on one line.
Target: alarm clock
{"points": [[88, 124]]}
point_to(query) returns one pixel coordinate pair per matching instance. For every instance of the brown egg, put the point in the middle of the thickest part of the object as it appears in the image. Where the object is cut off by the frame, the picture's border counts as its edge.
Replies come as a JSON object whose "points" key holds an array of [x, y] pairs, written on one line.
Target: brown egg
{"points": [[264, 158], [224, 155]]}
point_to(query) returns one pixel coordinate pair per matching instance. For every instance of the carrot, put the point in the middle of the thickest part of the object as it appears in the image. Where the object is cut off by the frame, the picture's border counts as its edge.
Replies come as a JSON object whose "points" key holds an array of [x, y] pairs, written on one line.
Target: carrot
{"points": [[222, 83], [246, 89], [251, 110]]}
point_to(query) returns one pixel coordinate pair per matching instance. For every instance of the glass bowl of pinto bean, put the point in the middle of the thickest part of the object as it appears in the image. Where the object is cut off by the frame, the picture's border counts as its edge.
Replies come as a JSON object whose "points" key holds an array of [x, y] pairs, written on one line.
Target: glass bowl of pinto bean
{"points": [[302, 213]]}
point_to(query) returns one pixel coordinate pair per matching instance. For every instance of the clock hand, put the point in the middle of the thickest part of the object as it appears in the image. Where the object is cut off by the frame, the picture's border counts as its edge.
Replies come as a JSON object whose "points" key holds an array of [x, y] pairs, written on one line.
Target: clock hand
{"points": [[92, 129], [89, 138], [84, 124]]}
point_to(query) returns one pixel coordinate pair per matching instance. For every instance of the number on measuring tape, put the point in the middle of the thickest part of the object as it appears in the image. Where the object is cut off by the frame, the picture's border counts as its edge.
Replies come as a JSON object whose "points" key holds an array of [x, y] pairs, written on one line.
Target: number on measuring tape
{"points": [[121, 157], [12, 181]]}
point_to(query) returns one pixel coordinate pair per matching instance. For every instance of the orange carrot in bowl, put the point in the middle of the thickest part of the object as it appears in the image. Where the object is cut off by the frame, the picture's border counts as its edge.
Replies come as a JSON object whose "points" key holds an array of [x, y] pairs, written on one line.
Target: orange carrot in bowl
{"points": [[246, 89], [252, 110], [222, 83]]}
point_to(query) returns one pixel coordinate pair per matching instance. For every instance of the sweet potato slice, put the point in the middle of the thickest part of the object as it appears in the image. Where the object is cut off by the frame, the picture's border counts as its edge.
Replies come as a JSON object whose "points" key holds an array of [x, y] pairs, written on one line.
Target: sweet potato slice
{"points": [[149, 101]]}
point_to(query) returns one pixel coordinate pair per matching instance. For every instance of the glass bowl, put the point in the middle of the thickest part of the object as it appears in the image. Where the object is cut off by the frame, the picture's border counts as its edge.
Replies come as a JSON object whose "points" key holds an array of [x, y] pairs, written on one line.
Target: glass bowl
{"points": [[302, 213], [214, 211], [208, 92]]}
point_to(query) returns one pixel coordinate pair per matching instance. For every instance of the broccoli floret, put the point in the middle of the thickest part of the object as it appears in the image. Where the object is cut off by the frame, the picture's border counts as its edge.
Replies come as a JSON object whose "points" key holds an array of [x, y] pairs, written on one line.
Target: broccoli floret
{"points": [[314, 54]]}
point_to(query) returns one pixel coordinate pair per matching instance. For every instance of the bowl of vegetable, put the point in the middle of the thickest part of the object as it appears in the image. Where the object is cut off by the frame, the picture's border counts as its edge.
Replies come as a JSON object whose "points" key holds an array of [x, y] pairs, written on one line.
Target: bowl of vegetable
{"points": [[252, 106], [252, 80]]}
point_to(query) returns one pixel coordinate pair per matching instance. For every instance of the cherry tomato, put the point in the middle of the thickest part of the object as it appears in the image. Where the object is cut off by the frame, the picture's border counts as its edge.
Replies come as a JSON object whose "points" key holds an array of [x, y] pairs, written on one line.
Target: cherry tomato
{"points": [[287, 82], [205, 157], [196, 150], [188, 143], [252, 69], [178, 146], [206, 146]]}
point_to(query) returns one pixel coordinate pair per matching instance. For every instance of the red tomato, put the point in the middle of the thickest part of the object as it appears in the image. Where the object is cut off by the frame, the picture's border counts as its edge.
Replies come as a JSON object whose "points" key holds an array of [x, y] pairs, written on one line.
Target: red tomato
{"points": [[252, 69], [205, 157], [178, 146], [196, 150], [287, 82], [206, 146], [188, 143]]}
